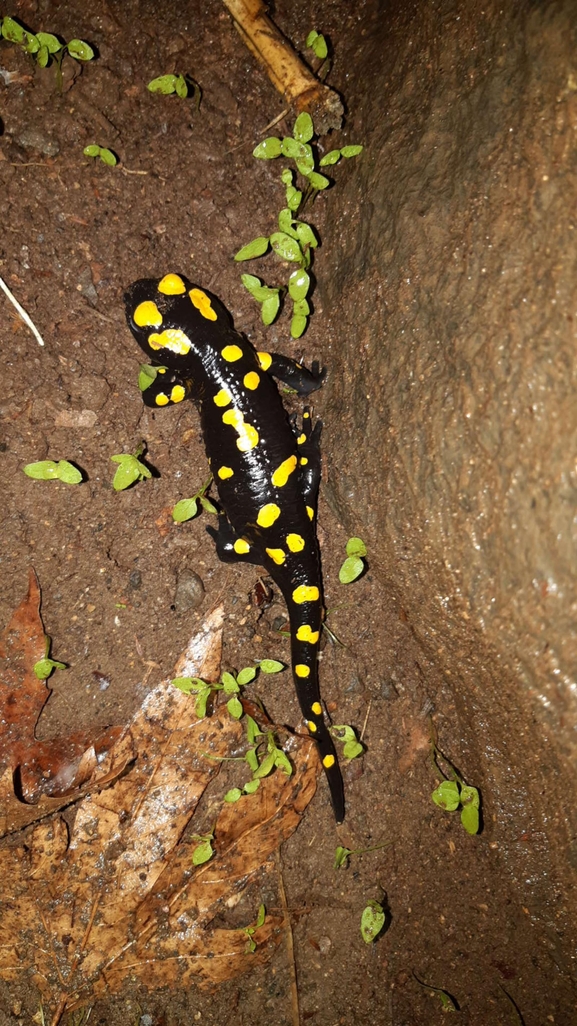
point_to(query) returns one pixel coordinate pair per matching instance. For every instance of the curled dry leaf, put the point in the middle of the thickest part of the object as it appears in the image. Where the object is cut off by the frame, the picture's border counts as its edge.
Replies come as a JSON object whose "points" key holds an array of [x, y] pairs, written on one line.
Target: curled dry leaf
{"points": [[119, 896], [39, 776]]}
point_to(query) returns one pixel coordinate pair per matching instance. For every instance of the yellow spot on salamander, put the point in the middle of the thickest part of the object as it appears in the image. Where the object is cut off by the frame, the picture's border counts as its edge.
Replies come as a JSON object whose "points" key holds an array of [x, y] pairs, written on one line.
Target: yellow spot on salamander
{"points": [[277, 555], [306, 416], [224, 472], [310, 512], [147, 315], [161, 399], [301, 438], [282, 473], [316, 708], [312, 726], [231, 353], [178, 394], [267, 514], [247, 434], [303, 461], [201, 301], [173, 339], [171, 285], [241, 546], [306, 633], [305, 593], [295, 542], [161, 370], [302, 671], [222, 398], [328, 761], [265, 360], [251, 380]]}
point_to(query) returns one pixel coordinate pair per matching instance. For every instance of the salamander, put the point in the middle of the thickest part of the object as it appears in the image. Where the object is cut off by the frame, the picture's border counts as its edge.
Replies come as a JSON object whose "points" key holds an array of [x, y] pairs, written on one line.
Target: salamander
{"points": [[266, 470]]}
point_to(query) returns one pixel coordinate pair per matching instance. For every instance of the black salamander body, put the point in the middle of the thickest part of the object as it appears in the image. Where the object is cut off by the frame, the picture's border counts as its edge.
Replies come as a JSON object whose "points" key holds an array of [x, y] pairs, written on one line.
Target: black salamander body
{"points": [[267, 475]]}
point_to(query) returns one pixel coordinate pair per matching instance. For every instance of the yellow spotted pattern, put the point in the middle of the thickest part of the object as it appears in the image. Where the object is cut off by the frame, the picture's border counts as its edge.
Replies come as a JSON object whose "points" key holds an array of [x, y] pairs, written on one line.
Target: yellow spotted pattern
{"points": [[171, 285], [303, 461], [306, 633], [147, 315], [224, 472], [306, 593], [241, 546], [178, 393], [310, 512], [247, 434], [265, 360], [277, 555], [328, 761], [231, 353], [173, 339], [295, 542], [316, 708], [301, 438], [251, 380], [222, 398], [161, 399], [312, 726], [302, 671], [201, 301], [282, 473], [267, 514]]}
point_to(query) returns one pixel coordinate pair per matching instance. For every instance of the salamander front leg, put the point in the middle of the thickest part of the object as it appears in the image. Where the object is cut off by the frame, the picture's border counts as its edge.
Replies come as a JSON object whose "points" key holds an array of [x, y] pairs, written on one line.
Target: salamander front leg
{"points": [[167, 389], [294, 374], [230, 548]]}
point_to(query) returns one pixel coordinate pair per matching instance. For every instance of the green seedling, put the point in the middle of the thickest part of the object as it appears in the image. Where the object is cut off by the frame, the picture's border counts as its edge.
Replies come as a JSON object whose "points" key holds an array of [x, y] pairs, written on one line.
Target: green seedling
{"points": [[453, 793], [130, 469], [352, 748], [45, 47], [186, 509], [179, 85], [106, 156], [230, 684], [342, 855], [295, 239], [147, 374], [44, 667], [48, 470], [251, 930], [353, 565], [316, 42], [372, 921], [204, 850], [448, 1002]]}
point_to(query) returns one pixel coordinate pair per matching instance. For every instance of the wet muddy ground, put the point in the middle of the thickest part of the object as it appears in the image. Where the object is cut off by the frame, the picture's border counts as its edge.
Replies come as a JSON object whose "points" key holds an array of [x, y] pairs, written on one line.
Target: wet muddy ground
{"points": [[186, 195]]}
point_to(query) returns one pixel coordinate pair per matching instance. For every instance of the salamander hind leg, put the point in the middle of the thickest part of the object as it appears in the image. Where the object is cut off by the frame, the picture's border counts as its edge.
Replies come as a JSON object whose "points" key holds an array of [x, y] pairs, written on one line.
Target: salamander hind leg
{"points": [[167, 389], [294, 374], [230, 547]]}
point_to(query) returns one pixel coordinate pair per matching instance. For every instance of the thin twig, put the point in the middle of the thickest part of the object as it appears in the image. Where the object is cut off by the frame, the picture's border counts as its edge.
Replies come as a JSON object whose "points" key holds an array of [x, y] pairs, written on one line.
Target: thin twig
{"points": [[22, 312], [366, 718], [290, 946]]}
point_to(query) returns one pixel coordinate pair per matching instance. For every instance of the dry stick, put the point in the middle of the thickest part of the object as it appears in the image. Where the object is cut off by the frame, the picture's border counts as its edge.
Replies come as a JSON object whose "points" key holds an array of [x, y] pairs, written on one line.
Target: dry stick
{"points": [[22, 312], [290, 946], [289, 75]]}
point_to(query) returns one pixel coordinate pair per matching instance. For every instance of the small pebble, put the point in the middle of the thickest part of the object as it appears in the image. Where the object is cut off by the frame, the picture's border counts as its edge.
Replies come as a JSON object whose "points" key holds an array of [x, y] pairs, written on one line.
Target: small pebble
{"points": [[189, 593]]}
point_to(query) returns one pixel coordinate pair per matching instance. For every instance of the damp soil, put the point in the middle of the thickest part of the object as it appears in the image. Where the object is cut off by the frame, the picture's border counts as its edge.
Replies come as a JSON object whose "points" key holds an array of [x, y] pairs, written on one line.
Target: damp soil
{"points": [[186, 195]]}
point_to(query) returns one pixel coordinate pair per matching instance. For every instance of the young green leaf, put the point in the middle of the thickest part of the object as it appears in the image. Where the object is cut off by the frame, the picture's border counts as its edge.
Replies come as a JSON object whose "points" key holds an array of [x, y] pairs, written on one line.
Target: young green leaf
{"points": [[285, 247], [44, 470], [270, 308], [372, 921], [351, 151], [68, 473], [268, 149], [44, 667], [298, 325], [108, 157], [253, 249], [318, 181], [446, 795], [185, 510], [350, 570], [356, 547], [298, 151], [470, 802], [245, 676], [80, 50], [129, 471], [49, 42], [189, 684], [251, 786], [299, 284], [341, 857], [12, 31], [234, 795], [203, 851], [267, 765], [271, 666], [165, 84], [234, 706], [282, 762], [332, 157], [207, 505], [303, 130], [230, 684], [92, 150]]}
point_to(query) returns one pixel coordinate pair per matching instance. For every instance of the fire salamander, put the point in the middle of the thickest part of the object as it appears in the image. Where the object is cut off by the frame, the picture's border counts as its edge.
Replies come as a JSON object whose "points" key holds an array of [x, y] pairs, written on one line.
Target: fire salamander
{"points": [[267, 473]]}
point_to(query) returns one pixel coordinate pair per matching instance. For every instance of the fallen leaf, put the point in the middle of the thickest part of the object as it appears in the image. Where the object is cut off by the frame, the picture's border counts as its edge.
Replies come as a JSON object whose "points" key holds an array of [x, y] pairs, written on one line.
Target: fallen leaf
{"points": [[39, 775], [118, 896]]}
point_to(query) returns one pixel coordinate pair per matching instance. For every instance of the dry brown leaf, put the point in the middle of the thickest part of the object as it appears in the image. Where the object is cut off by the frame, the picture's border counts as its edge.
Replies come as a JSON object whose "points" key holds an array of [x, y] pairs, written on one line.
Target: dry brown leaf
{"points": [[41, 776], [119, 896]]}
